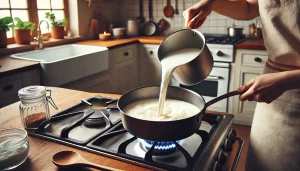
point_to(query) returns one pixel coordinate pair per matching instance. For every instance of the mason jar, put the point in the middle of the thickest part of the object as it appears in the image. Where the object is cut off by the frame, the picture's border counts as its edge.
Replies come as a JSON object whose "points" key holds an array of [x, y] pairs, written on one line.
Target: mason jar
{"points": [[34, 108]]}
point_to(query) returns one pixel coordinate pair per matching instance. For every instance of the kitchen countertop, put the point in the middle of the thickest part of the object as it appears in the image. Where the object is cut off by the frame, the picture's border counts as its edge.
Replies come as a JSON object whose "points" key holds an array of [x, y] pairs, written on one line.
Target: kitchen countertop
{"points": [[254, 44], [119, 42], [41, 151], [10, 65]]}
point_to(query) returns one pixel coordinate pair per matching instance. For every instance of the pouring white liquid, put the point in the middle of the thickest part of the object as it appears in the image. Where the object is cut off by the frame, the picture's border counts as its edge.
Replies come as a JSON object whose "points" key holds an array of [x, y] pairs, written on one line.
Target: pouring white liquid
{"points": [[169, 63]]}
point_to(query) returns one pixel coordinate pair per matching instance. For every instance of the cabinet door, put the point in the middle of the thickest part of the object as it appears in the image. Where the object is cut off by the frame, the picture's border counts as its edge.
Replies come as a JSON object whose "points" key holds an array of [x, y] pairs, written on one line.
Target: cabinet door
{"points": [[99, 83], [126, 76], [149, 66], [245, 110], [125, 73]]}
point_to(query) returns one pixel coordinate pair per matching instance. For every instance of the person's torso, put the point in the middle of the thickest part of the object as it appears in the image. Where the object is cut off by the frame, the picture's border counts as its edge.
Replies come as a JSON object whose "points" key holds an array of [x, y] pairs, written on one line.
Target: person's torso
{"points": [[281, 32]]}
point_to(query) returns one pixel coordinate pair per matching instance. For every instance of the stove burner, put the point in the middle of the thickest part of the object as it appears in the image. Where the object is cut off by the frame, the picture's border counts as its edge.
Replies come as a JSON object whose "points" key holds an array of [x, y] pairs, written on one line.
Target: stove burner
{"points": [[96, 119], [221, 39], [160, 147]]}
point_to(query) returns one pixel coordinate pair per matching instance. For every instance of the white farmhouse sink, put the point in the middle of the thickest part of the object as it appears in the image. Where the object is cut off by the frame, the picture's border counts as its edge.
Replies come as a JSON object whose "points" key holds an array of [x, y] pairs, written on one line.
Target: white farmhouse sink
{"points": [[63, 64]]}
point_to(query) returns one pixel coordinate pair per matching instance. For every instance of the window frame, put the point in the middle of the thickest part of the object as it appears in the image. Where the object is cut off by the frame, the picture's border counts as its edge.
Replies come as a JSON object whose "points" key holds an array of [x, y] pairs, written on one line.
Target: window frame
{"points": [[33, 16]]}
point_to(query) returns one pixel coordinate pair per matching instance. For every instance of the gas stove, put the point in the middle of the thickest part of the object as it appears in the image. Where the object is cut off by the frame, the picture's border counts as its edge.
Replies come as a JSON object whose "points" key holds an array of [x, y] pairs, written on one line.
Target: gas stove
{"points": [[223, 39], [206, 150]]}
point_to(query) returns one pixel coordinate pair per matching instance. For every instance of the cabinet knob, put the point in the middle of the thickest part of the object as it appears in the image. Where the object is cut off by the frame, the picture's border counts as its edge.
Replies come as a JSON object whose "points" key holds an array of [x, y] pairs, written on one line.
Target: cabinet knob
{"points": [[151, 52], [8, 87], [126, 53], [257, 59]]}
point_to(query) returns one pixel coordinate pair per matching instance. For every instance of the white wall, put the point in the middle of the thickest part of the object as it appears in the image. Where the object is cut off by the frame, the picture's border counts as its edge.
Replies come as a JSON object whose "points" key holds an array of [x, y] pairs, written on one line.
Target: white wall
{"points": [[214, 24]]}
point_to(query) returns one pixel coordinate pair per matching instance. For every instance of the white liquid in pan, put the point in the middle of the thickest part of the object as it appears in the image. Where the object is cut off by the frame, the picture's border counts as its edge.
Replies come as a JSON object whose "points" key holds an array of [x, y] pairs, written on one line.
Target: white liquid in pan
{"points": [[173, 110], [166, 109]]}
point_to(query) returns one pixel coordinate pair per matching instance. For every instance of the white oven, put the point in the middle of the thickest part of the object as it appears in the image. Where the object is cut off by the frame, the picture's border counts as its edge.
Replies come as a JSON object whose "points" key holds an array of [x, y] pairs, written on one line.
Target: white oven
{"points": [[214, 85]]}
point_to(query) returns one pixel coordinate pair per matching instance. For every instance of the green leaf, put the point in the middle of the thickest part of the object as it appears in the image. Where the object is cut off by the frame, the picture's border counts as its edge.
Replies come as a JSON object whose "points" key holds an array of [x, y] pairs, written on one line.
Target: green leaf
{"points": [[54, 22], [23, 25], [5, 23]]}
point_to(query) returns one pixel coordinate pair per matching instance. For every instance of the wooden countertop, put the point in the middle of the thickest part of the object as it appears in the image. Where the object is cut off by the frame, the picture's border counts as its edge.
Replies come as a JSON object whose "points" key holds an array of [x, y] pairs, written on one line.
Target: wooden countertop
{"points": [[254, 44], [119, 42], [41, 151], [10, 65]]}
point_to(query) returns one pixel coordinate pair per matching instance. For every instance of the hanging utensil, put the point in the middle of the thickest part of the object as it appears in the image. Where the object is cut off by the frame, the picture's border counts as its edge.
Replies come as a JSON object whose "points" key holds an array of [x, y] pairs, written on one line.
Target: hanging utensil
{"points": [[141, 18], [168, 10], [150, 28], [176, 7]]}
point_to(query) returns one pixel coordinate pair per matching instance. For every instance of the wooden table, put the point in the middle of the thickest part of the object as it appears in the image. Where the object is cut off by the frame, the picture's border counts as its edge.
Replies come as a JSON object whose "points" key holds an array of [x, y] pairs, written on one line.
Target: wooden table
{"points": [[41, 151]]}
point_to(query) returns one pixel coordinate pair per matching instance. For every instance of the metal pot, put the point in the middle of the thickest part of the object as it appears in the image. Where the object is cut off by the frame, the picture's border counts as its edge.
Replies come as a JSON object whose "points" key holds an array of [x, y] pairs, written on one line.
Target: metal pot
{"points": [[235, 32], [196, 70], [165, 130]]}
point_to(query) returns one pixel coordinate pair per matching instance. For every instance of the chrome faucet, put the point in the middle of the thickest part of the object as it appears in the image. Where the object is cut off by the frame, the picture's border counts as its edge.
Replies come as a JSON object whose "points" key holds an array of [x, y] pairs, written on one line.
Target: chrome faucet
{"points": [[39, 37]]}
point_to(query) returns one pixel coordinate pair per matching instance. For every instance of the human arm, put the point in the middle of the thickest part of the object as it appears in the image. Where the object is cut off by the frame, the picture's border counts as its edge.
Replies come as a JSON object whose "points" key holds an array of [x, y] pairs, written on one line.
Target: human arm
{"points": [[268, 87], [236, 9]]}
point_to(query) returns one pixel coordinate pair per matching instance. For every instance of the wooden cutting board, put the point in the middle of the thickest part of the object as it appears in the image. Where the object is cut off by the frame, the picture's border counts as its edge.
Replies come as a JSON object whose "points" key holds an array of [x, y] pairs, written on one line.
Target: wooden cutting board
{"points": [[103, 23]]}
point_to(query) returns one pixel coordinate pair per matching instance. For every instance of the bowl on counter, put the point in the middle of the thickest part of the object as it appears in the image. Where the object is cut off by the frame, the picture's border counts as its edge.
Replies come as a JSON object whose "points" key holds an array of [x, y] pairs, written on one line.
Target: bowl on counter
{"points": [[14, 148], [119, 32]]}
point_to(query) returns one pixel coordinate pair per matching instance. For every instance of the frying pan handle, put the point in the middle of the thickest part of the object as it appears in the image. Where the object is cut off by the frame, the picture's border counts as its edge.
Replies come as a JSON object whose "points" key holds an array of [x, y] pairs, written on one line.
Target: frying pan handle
{"points": [[233, 93], [141, 7]]}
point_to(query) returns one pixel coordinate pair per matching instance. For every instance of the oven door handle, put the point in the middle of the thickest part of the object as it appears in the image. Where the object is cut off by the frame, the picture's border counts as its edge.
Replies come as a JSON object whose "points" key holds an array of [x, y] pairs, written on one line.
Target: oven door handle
{"points": [[238, 153], [213, 78]]}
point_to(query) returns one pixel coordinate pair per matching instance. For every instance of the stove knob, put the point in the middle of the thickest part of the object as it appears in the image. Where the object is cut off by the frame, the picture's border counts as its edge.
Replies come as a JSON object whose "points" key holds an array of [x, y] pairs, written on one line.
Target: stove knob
{"points": [[232, 136], [217, 166], [227, 145], [220, 53], [222, 157]]}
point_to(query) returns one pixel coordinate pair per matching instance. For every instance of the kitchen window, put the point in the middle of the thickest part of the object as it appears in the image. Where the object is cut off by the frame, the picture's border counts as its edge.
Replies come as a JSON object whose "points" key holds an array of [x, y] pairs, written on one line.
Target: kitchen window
{"points": [[34, 11]]}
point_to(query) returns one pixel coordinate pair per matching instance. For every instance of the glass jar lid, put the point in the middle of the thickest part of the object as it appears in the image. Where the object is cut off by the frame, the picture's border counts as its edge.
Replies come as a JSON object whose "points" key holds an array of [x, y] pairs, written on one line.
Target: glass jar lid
{"points": [[32, 92]]}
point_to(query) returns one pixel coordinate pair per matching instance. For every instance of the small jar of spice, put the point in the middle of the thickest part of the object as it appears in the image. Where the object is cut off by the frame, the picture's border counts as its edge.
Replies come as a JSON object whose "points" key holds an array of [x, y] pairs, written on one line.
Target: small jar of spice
{"points": [[34, 108]]}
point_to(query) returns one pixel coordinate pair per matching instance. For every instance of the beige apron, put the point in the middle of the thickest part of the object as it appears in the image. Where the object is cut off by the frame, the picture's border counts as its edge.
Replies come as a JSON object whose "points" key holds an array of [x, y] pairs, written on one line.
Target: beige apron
{"points": [[275, 133]]}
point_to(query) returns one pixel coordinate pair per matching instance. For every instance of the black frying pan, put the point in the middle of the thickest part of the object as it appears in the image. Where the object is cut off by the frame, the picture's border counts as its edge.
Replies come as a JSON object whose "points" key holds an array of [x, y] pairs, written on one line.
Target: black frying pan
{"points": [[165, 130], [150, 27]]}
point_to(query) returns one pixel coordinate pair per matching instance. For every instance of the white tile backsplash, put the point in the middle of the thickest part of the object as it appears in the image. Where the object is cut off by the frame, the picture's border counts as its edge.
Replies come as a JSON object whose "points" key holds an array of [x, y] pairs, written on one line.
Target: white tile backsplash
{"points": [[214, 24]]}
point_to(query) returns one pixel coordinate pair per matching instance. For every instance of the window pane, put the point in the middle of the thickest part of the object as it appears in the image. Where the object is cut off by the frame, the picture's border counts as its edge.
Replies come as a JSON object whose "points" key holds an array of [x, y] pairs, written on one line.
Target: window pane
{"points": [[4, 4], [43, 4], [18, 3], [4, 13], [57, 4], [22, 14], [41, 14], [59, 14]]}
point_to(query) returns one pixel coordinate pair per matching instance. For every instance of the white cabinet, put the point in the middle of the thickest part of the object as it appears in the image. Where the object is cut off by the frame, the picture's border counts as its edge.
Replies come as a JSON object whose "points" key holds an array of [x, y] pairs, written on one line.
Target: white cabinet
{"points": [[249, 64], [150, 68], [98, 83], [11, 84], [124, 68]]}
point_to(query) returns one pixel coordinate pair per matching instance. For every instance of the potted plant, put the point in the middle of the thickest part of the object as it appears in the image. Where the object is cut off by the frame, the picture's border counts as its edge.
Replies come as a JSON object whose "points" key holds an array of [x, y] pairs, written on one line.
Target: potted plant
{"points": [[57, 29], [22, 31], [5, 24]]}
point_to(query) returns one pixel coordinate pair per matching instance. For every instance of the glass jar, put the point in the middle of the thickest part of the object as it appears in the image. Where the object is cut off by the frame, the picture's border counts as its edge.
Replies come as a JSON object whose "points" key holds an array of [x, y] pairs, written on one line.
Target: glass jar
{"points": [[34, 108], [14, 148]]}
